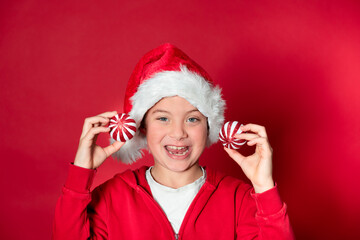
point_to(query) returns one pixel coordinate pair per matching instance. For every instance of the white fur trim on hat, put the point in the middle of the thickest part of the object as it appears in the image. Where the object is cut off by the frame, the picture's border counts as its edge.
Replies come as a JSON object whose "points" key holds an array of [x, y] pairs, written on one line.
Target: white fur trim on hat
{"points": [[184, 83]]}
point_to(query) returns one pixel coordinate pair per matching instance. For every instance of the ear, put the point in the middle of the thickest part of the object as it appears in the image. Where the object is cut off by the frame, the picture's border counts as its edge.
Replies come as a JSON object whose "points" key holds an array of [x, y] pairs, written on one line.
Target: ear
{"points": [[142, 127]]}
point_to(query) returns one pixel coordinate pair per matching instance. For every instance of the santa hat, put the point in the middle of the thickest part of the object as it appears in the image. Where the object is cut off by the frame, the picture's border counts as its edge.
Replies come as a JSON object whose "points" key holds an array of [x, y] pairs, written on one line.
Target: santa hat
{"points": [[167, 71]]}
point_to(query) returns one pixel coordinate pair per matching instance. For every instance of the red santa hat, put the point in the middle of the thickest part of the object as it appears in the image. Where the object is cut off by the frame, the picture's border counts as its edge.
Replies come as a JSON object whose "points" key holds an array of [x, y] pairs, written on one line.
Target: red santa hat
{"points": [[167, 71]]}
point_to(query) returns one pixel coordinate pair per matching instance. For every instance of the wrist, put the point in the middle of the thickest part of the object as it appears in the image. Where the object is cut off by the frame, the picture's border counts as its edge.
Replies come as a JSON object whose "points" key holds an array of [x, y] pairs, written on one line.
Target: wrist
{"points": [[79, 179], [263, 187], [83, 165]]}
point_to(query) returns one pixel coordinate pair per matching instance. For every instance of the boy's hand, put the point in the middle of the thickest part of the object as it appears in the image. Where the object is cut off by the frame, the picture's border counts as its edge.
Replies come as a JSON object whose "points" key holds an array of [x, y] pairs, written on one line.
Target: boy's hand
{"points": [[89, 155], [258, 166]]}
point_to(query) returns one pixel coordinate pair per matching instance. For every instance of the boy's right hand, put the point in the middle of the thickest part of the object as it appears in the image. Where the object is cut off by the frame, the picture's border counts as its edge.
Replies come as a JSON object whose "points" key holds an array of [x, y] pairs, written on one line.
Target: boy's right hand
{"points": [[89, 155]]}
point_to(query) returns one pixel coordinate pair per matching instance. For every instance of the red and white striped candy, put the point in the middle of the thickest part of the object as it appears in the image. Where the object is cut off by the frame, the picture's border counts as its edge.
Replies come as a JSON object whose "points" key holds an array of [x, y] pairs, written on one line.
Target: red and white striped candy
{"points": [[122, 127], [227, 133]]}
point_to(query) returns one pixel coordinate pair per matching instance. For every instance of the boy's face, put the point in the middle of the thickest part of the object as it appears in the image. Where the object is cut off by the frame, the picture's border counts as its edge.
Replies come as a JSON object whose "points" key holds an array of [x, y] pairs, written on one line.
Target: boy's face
{"points": [[176, 133]]}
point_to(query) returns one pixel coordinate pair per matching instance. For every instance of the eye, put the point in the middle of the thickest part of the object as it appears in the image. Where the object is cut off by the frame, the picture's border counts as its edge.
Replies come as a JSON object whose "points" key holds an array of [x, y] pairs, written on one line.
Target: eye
{"points": [[163, 119], [193, 120]]}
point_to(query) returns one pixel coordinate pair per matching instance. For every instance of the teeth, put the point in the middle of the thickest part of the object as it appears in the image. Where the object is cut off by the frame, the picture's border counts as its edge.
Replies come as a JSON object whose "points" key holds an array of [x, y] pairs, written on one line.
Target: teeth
{"points": [[175, 148], [169, 148], [179, 154]]}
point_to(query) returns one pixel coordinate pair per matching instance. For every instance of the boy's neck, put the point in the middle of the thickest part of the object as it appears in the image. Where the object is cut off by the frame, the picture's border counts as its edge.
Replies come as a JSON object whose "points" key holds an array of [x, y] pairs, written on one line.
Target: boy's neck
{"points": [[176, 179]]}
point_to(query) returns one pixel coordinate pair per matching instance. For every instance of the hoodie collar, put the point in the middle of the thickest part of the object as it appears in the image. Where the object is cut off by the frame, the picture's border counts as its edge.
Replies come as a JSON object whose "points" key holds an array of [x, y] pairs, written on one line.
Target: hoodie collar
{"points": [[137, 178]]}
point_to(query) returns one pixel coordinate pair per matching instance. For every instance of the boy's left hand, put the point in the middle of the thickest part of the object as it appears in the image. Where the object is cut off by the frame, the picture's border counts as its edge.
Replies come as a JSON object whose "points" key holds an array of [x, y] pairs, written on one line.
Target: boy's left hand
{"points": [[258, 166]]}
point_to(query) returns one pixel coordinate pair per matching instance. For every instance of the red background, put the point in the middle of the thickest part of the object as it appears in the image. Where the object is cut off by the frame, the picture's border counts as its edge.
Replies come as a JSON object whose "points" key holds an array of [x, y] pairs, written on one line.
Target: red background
{"points": [[292, 66]]}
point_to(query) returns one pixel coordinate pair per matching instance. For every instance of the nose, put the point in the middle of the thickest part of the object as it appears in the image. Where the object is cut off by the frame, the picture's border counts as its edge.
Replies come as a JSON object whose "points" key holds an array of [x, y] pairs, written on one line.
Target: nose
{"points": [[178, 131]]}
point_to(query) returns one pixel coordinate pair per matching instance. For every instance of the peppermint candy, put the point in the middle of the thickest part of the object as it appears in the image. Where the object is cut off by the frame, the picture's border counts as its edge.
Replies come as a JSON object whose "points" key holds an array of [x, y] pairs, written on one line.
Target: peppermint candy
{"points": [[122, 127], [227, 133]]}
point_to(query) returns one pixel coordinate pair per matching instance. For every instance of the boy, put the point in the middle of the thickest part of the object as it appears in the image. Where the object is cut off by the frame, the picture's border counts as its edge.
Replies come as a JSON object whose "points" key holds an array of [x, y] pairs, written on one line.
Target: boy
{"points": [[178, 112]]}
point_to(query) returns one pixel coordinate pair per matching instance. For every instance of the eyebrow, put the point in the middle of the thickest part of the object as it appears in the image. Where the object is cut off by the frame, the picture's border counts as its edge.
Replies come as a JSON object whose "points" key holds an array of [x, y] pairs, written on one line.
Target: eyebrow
{"points": [[164, 111]]}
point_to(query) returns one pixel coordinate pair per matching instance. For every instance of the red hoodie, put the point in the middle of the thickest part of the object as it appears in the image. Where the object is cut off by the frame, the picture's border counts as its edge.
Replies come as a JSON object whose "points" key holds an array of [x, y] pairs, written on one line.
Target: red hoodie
{"points": [[123, 208]]}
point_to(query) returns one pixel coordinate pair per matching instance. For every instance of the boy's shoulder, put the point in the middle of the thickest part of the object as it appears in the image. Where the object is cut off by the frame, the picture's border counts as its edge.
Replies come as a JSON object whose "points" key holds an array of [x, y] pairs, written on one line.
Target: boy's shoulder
{"points": [[128, 178], [225, 181]]}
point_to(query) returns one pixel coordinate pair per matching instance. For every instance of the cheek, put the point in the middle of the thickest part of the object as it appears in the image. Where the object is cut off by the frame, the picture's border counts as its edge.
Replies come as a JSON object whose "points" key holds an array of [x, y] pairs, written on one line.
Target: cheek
{"points": [[200, 134], [154, 134]]}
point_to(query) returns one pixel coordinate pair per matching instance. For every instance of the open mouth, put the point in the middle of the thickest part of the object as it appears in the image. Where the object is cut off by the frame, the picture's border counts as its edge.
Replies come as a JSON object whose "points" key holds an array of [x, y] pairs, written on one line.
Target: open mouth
{"points": [[177, 151]]}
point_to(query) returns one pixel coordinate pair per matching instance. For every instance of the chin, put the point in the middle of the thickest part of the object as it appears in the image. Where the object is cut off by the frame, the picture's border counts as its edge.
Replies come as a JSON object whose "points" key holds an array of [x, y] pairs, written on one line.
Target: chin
{"points": [[178, 165]]}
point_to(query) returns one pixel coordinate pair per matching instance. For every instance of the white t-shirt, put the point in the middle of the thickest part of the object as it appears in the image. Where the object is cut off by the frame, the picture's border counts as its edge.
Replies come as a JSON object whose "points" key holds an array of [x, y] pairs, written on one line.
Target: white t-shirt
{"points": [[175, 202]]}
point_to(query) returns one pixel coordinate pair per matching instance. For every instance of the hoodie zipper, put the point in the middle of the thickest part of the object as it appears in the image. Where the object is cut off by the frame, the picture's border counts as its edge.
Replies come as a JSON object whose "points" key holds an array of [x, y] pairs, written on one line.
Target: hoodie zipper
{"points": [[176, 235]]}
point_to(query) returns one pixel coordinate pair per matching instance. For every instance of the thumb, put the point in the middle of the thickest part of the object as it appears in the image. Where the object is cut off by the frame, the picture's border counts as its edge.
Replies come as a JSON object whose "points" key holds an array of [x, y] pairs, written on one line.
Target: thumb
{"points": [[113, 148], [235, 155]]}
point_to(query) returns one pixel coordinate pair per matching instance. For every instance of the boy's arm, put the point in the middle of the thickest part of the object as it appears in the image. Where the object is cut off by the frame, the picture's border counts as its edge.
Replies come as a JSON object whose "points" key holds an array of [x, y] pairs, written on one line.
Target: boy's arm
{"points": [[263, 216], [80, 214]]}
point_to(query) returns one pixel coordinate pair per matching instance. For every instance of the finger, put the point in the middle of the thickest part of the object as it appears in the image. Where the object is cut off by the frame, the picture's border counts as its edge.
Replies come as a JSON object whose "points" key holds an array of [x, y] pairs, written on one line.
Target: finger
{"points": [[108, 114], [109, 150], [93, 122], [260, 130], [90, 122], [262, 142], [246, 136], [93, 132], [235, 155]]}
